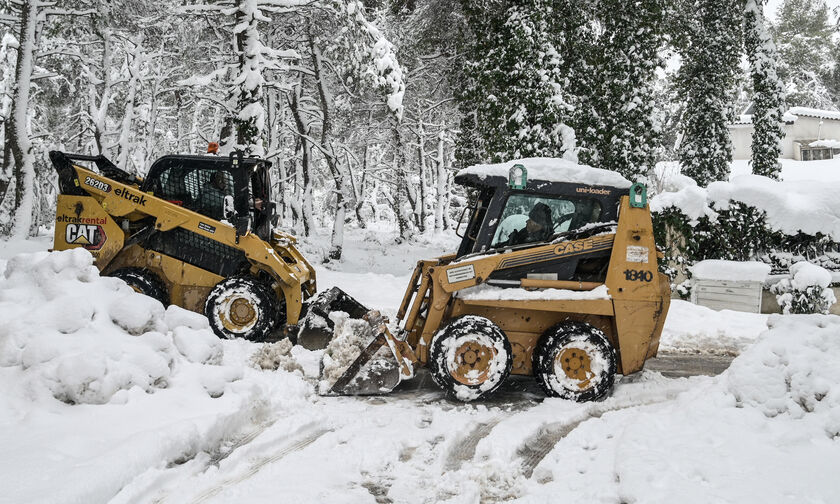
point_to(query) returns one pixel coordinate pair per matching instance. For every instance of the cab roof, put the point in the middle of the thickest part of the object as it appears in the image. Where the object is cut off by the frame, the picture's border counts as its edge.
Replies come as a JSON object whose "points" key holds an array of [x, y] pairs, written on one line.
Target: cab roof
{"points": [[541, 173]]}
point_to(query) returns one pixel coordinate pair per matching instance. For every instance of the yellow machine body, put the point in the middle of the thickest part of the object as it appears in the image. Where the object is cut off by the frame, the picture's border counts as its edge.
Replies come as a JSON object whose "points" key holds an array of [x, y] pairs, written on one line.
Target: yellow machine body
{"points": [[104, 220], [632, 317]]}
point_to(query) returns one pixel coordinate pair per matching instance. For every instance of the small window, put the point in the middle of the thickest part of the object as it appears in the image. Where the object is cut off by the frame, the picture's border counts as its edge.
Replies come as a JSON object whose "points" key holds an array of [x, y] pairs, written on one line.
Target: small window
{"points": [[806, 154], [529, 218]]}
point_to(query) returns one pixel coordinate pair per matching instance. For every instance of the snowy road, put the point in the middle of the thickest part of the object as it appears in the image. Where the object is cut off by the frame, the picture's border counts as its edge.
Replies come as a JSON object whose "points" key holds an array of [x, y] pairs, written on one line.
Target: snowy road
{"points": [[107, 398]]}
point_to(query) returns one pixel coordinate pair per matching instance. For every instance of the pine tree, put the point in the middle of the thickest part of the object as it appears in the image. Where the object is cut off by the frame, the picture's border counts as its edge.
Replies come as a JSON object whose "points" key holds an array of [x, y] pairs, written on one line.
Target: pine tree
{"points": [[804, 36], [617, 130], [768, 93], [710, 49], [514, 100]]}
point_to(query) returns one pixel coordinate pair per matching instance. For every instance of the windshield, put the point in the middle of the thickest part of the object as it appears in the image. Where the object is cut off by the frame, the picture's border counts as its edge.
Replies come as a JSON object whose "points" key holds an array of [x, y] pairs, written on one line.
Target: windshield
{"points": [[529, 218]]}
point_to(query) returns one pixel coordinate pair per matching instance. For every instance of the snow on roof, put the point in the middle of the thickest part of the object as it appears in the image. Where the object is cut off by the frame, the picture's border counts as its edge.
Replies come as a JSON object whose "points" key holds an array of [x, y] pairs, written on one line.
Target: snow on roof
{"points": [[791, 206], [812, 112], [746, 119], [745, 271], [834, 144], [551, 170]]}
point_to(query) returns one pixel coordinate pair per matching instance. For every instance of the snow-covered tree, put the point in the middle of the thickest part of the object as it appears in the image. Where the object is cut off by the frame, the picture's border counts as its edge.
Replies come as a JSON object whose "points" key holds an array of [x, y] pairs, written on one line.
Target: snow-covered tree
{"points": [[514, 99], [803, 35], [710, 46], [618, 129], [768, 99]]}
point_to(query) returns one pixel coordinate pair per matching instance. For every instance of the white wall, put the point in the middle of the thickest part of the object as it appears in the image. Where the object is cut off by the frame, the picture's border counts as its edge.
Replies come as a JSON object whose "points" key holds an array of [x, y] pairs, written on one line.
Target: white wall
{"points": [[805, 128]]}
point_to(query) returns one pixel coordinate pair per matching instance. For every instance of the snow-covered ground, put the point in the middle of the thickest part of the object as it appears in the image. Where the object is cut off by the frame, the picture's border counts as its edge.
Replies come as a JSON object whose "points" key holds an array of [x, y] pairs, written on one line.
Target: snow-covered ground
{"points": [[107, 397]]}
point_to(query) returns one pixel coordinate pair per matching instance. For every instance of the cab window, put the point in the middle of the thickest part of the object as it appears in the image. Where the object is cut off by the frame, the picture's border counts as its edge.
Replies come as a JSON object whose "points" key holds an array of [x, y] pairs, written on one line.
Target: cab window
{"points": [[530, 218]]}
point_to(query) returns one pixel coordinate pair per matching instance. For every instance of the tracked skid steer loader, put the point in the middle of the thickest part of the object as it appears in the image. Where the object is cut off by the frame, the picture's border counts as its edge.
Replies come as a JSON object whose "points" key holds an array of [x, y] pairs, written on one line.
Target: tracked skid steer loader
{"points": [[556, 277], [196, 232]]}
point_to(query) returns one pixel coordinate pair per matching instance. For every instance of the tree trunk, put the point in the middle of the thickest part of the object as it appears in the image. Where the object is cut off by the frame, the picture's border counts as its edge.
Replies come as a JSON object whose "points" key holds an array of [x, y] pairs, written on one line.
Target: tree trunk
{"points": [[303, 128], [328, 150], [21, 145], [402, 193], [440, 184], [420, 208], [133, 82]]}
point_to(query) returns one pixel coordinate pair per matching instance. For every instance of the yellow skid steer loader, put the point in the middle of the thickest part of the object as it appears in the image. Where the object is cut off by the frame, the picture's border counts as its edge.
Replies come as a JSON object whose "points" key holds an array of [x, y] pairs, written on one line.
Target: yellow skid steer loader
{"points": [[197, 232], [556, 277]]}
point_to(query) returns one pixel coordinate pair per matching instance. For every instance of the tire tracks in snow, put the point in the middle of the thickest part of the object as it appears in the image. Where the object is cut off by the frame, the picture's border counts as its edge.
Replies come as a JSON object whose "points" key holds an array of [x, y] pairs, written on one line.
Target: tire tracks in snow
{"points": [[463, 449], [297, 443], [535, 448]]}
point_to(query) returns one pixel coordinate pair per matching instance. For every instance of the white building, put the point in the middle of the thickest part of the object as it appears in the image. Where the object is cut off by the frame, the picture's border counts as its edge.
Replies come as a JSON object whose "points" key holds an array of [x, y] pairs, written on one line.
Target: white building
{"points": [[809, 134]]}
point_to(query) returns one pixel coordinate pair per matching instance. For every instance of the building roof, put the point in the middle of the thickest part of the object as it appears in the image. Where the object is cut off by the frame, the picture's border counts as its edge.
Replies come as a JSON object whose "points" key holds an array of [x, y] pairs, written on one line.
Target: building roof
{"points": [[789, 117]]}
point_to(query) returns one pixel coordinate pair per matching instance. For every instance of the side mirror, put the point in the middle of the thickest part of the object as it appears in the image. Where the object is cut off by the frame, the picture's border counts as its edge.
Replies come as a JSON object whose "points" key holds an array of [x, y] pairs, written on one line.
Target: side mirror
{"points": [[458, 232]]}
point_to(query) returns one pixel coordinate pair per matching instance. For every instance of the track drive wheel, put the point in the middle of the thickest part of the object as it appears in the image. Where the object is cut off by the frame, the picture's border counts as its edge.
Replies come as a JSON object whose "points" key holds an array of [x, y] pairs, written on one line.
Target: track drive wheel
{"points": [[574, 360], [242, 307], [470, 358], [143, 281]]}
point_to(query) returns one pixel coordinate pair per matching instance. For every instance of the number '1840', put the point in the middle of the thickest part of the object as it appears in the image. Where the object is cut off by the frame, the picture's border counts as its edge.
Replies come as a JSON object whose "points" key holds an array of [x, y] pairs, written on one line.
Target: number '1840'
{"points": [[638, 275]]}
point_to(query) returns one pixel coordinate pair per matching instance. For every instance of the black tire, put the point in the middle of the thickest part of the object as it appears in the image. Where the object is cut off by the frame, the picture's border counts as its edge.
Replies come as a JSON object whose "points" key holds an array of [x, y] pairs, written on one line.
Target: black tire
{"points": [[242, 307], [143, 281], [494, 361], [588, 376]]}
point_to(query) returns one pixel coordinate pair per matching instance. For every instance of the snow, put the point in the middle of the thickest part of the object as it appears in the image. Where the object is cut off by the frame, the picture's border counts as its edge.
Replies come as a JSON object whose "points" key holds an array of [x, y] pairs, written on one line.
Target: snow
{"points": [[486, 292], [834, 144], [551, 170], [805, 274], [812, 112], [791, 206], [737, 271], [764, 431], [350, 338], [691, 328]]}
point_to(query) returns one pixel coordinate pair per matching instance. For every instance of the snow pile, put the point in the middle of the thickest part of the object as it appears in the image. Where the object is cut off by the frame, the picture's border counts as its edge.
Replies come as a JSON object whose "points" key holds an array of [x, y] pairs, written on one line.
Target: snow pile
{"points": [[83, 338], [551, 170], [276, 355], [691, 328], [793, 372], [486, 292], [746, 271], [806, 291], [791, 206], [351, 337], [764, 431]]}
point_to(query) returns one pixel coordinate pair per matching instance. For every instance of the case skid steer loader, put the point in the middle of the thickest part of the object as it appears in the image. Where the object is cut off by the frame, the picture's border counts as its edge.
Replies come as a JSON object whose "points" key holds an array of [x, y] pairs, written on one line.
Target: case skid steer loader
{"points": [[556, 277], [196, 232]]}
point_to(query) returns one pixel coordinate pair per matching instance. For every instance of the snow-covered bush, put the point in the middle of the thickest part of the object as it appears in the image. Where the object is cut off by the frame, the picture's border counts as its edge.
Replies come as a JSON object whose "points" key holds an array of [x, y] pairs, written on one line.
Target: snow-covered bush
{"points": [[82, 338], [748, 218], [806, 291]]}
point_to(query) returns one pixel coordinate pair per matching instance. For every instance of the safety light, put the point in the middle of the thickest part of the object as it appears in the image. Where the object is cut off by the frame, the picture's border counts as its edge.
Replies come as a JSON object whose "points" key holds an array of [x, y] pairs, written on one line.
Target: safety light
{"points": [[517, 176]]}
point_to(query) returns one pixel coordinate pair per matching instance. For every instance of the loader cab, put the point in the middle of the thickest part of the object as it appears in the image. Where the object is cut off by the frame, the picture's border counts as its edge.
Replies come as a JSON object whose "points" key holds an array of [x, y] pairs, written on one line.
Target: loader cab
{"points": [[203, 183]]}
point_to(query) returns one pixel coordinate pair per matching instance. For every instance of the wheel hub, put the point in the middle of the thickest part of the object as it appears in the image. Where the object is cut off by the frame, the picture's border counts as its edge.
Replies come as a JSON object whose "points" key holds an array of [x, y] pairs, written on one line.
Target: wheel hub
{"points": [[237, 313], [472, 363], [576, 364]]}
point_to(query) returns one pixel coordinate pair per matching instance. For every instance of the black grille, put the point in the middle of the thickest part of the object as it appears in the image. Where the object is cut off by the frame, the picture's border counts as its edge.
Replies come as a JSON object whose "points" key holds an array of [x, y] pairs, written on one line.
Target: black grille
{"points": [[199, 251], [199, 190]]}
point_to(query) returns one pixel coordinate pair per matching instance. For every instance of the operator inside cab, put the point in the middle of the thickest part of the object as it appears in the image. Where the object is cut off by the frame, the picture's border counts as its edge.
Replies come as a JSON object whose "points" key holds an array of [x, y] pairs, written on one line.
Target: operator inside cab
{"points": [[212, 196], [538, 227]]}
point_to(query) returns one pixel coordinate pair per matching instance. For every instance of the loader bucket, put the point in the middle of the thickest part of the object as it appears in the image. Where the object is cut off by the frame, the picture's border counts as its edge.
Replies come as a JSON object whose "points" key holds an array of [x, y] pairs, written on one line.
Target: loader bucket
{"points": [[316, 327], [364, 358]]}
